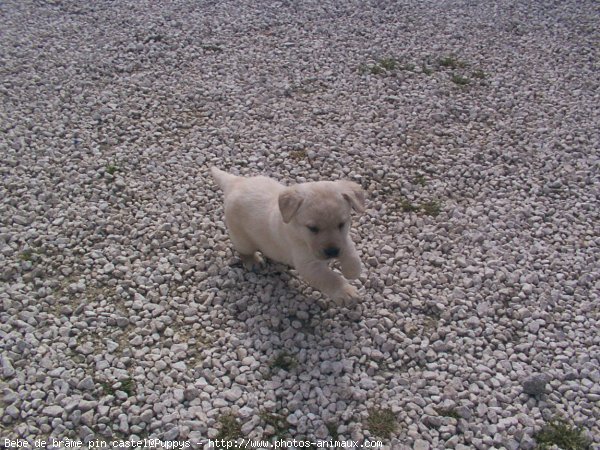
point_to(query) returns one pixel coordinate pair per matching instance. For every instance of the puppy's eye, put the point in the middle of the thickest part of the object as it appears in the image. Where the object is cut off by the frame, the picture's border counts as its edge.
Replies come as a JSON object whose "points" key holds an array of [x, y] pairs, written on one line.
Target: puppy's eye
{"points": [[341, 225], [314, 230]]}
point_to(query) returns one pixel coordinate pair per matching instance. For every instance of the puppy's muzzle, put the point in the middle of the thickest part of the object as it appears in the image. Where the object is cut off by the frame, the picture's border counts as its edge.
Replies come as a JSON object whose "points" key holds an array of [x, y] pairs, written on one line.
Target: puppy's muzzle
{"points": [[331, 252]]}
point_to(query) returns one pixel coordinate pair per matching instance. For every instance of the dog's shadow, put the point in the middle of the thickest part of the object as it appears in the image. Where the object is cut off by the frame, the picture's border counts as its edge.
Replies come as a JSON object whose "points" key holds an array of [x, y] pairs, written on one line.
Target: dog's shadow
{"points": [[297, 334], [273, 303]]}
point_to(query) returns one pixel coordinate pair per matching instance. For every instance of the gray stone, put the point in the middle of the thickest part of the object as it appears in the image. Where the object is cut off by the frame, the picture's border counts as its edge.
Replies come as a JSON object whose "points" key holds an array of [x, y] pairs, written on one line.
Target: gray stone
{"points": [[171, 434], [190, 393], [12, 411], [535, 384], [7, 368], [86, 405], [420, 444], [53, 410], [233, 394], [123, 423], [86, 384]]}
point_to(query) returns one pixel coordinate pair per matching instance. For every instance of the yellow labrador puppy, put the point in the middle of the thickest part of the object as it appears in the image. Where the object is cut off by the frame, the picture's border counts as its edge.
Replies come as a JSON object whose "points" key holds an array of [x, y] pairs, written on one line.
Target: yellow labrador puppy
{"points": [[303, 226]]}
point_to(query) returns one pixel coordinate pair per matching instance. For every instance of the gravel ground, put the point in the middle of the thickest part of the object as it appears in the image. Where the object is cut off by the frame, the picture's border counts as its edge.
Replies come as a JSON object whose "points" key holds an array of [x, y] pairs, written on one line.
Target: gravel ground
{"points": [[473, 127]]}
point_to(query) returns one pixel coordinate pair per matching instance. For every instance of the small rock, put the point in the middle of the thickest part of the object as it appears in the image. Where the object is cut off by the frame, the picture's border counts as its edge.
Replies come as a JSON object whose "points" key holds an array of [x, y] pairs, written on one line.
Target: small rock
{"points": [[464, 412], [233, 394], [179, 365], [292, 419], [432, 421], [86, 384], [111, 346], [53, 410], [535, 384], [171, 434], [12, 411], [21, 220], [87, 418], [7, 368], [245, 412], [190, 394], [123, 423], [86, 405], [420, 444]]}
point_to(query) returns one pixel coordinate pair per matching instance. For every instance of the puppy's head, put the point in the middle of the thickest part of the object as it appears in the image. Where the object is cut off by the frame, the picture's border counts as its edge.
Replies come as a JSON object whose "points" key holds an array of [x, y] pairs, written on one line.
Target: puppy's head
{"points": [[320, 214]]}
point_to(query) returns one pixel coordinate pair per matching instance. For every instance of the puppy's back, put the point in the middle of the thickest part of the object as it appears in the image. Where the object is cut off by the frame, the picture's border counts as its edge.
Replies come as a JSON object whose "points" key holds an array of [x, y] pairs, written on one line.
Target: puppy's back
{"points": [[247, 192]]}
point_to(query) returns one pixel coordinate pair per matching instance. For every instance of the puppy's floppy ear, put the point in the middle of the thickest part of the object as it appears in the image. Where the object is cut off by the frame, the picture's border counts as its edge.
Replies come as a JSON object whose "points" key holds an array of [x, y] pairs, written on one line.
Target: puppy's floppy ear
{"points": [[289, 202], [353, 194]]}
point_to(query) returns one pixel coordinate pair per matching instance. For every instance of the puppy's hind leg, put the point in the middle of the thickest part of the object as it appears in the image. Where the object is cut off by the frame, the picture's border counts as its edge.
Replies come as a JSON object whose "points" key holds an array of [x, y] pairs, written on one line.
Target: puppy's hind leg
{"points": [[247, 250], [252, 262]]}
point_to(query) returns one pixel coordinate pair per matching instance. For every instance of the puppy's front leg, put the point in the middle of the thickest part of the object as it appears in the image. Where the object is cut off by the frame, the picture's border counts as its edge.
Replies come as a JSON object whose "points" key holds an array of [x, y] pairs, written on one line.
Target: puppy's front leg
{"points": [[319, 275], [350, 263]]}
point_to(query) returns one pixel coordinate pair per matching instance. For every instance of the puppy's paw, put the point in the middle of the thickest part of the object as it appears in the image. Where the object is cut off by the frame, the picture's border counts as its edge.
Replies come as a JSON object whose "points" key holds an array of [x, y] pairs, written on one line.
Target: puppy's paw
{"points": [[351, 268], [252, 262], [347, 296]]}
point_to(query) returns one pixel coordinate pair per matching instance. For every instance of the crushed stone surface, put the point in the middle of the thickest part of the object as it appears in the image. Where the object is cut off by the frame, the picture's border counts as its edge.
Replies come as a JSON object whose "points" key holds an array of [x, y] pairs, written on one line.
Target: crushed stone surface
{"points": [[473, 128]]}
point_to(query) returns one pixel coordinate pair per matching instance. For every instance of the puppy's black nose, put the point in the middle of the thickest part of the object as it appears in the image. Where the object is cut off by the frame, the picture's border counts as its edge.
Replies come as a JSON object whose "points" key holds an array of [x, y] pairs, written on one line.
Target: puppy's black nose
{"points": [[331, 252]]}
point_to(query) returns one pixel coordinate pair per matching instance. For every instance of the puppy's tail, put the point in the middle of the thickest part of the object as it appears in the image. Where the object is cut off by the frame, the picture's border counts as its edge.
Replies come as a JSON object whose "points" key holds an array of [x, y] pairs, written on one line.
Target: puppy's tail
{"points": [[222, 178]]}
